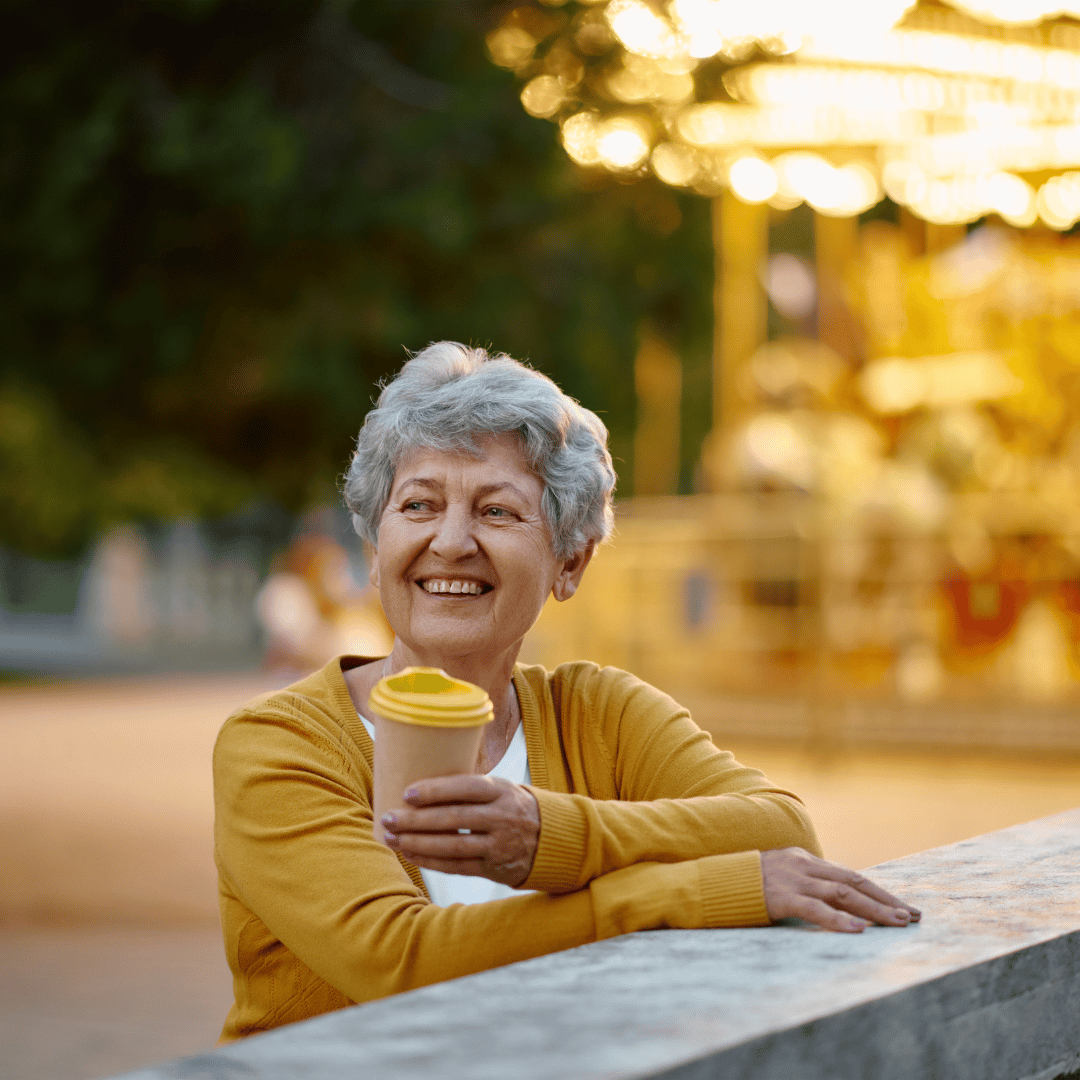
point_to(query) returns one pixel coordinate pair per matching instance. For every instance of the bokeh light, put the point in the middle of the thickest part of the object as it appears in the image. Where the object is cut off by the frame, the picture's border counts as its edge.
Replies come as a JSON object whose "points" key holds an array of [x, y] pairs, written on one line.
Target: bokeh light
{"points": [[510, 46], [622, 143], [675, 164], [951, 123], [543, 96], [789, 281], [752, 179]]}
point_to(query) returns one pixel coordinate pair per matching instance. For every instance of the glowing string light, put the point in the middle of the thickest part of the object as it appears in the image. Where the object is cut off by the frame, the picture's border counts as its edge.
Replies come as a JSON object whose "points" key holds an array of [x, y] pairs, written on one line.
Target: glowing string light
{"points": [[949, 123]]}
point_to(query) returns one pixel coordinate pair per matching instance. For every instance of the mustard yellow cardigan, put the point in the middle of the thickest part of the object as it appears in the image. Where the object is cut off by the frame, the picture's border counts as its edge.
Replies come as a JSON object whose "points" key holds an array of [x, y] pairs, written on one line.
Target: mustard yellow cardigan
{"points": [[644, 824]]}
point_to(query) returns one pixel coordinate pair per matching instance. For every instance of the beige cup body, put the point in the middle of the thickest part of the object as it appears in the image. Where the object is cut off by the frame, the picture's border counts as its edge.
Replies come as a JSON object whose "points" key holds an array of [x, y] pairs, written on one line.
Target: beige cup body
{"points": [[405, 753]]}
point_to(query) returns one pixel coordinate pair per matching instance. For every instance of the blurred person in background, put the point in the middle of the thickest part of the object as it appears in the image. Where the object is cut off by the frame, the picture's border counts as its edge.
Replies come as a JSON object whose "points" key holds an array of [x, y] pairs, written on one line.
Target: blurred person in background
{"points": [[483, 490], [312, 609]]}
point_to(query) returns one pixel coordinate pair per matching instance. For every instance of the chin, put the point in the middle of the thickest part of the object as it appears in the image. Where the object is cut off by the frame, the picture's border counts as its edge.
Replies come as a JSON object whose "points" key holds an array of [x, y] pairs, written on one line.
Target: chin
{"points": [[440, 650]]}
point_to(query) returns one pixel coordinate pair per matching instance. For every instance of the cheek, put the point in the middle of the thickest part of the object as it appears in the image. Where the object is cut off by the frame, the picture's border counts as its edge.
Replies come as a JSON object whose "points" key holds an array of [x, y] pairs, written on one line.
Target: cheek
{"points": [[375, 572], [400, 543], [388, 555], [539, 565]]}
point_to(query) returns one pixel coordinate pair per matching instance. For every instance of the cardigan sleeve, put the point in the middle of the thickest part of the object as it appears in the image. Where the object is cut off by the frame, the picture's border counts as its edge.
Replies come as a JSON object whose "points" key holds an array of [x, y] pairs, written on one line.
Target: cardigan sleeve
{"points": [[294, 841], [673, 795]]}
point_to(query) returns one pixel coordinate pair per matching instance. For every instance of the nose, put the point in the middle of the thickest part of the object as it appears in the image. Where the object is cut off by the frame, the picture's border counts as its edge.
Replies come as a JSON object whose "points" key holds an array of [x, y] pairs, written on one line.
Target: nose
{"points": [[454, 539]]}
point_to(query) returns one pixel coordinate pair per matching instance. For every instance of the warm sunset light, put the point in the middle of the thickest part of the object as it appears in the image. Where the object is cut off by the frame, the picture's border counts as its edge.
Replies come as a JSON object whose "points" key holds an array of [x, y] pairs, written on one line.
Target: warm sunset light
{"points": [[481, 484]]}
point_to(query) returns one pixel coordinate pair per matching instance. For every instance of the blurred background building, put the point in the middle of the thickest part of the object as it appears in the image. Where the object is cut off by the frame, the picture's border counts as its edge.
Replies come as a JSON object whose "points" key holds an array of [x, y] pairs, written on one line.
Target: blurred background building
{"points": [[890, 533]]}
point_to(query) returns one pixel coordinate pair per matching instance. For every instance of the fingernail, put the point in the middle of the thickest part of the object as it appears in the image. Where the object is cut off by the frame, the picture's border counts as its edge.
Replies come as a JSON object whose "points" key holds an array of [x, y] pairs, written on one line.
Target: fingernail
{"points": [[410, 794], [856, 924], [389, 821], [390, 839], [903, 916]]}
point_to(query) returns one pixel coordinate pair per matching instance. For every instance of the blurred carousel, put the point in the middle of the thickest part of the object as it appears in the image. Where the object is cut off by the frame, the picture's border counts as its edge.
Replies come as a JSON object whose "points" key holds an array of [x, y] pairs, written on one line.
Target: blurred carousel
{"points": [[887, 542]]}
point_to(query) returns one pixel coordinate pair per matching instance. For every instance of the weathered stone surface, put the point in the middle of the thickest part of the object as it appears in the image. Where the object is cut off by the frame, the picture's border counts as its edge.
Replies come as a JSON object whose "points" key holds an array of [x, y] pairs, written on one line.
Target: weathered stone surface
{"points": [[987, 987]]}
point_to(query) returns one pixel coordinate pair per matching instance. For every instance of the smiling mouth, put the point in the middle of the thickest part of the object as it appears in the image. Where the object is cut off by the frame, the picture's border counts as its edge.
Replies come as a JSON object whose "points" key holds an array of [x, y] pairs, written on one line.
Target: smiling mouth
{"points": [[453, 587]]}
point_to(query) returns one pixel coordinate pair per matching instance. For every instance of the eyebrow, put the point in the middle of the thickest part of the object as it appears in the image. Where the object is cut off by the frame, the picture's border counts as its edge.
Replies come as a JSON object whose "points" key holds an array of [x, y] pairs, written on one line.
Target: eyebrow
{"points": [[420, 481], [484, 489]]}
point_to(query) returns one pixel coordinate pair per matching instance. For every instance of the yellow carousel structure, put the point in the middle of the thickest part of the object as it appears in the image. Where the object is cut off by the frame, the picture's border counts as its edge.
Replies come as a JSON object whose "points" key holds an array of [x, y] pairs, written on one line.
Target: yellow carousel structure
{"points": [[889, 533]]}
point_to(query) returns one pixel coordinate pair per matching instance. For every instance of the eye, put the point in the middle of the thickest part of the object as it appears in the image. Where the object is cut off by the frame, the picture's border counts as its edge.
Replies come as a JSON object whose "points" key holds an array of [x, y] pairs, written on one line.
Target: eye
{"points": [[497, 512], [415, 504]]}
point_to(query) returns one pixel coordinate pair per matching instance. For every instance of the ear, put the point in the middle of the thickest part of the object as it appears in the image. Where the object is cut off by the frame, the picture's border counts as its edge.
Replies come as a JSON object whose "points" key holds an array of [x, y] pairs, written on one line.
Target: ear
{"points": [[569, 576], [373, 565]]}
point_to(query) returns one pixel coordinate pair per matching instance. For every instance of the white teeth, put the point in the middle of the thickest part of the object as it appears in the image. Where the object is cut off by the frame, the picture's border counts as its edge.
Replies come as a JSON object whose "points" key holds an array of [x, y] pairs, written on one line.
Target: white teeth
{"points": [[472, 588]]}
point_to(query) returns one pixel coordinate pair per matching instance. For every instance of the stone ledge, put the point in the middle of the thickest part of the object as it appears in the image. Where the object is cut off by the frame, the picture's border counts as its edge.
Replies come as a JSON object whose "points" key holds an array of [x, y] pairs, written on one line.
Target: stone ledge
{"points": [[987, 987]]}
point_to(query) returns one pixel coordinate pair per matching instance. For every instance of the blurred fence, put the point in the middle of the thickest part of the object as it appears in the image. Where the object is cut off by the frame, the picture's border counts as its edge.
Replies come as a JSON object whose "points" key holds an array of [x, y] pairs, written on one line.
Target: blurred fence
{"points": [[775, 620], [194, 596], [175, 597]]}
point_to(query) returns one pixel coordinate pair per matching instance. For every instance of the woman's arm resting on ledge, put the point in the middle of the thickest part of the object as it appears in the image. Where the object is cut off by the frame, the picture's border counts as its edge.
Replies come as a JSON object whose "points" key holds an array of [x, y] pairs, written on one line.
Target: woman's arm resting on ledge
{"points": [[296, 852], [505, 824], [577, 838], [668, 794]]}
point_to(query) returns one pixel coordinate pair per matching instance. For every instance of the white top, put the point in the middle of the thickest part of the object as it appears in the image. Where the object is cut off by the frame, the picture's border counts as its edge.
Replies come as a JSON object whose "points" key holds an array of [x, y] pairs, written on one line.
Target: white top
{"points": [[447, 889]]}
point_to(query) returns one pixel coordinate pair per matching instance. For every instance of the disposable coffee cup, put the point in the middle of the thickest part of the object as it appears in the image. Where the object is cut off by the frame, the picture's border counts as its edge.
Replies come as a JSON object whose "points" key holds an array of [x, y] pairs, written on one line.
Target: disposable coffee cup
{"points": [[426, 724]]}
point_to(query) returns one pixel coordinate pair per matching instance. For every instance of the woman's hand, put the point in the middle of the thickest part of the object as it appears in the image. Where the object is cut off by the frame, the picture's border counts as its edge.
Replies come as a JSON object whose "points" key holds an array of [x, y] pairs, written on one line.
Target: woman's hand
{"points": [[502, 818], [802, 885]]}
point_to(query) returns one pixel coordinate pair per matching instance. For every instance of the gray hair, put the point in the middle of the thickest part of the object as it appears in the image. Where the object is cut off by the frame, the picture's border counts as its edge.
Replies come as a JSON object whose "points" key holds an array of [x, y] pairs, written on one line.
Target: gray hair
{"points": [[449, 397]]}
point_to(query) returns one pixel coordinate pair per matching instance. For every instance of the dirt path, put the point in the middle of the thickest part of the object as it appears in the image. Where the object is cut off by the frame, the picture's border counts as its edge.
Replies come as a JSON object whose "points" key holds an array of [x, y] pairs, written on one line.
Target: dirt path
{"points": [[84, 1002], [106, 807]]}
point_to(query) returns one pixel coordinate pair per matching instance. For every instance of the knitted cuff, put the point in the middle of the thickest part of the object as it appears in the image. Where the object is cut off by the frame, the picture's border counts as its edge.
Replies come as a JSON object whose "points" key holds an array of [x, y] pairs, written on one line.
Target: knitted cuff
{"points": [[561, 848], [732, 892]]}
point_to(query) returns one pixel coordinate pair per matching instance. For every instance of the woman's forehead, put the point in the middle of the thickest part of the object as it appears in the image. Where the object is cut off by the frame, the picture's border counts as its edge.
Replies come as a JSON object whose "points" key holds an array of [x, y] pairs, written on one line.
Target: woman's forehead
{"points": [[497, 458]]}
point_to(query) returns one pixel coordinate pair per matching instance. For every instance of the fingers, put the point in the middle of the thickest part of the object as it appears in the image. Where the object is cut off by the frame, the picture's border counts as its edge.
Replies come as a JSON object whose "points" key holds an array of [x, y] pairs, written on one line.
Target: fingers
{"points": [[439, 845], [847, 898], [828, 918], [466, 788], [866, 886], [439, 819], [484, 807], [442, 853], [475, 855]]}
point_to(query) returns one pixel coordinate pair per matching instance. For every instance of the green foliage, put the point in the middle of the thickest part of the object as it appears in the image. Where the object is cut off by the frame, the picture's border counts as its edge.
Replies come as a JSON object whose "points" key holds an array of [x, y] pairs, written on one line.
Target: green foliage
{"points": [[224, 221]]}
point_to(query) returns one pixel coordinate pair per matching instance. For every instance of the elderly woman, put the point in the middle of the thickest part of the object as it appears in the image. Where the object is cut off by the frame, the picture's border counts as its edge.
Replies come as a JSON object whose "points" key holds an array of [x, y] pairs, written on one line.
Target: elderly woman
{"points": [[483, 490]]}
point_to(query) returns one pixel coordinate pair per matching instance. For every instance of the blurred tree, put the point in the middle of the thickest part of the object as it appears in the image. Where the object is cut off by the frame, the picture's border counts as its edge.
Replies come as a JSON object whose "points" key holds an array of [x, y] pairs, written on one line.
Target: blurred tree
{"points": [[225, 219]]}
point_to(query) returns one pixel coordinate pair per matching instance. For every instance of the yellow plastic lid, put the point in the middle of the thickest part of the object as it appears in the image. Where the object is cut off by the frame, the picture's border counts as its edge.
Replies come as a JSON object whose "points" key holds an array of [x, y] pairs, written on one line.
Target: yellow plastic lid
{"points": [[431, 698]]}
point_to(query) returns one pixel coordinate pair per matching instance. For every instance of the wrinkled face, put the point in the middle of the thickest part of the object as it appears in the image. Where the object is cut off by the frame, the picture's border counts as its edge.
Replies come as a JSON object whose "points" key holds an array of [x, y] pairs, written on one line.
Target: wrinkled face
{"points": [[464, 560]]}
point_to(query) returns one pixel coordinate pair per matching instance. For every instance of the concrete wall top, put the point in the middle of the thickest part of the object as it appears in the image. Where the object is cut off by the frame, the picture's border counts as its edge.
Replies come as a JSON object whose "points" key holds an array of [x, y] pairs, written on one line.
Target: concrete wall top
{"points": [[986, 987]]}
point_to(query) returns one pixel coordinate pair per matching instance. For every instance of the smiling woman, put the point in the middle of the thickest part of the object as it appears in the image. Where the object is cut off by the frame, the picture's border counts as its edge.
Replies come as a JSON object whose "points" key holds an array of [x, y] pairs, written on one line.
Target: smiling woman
{"points": [[464, 560], [483, 490]]}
